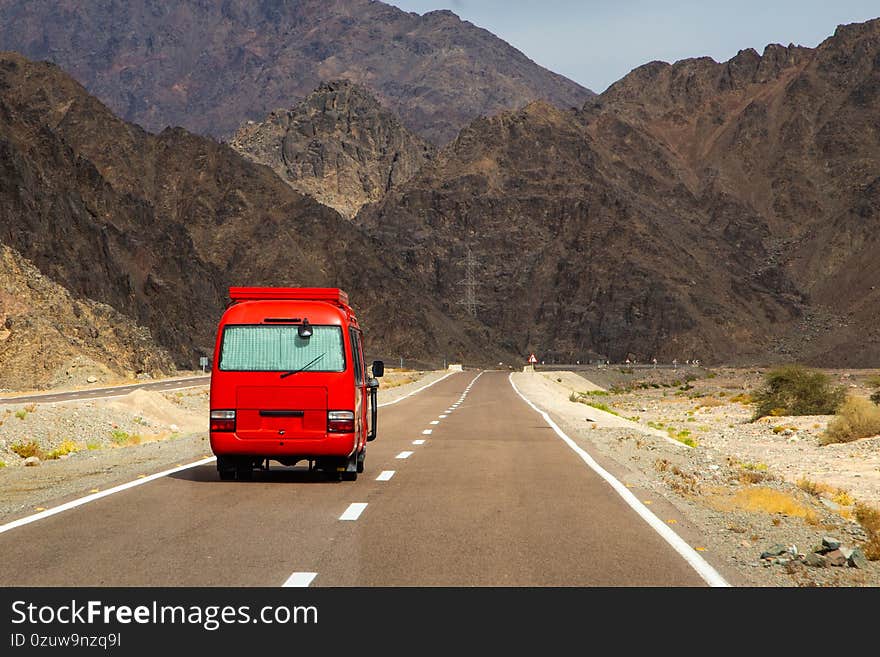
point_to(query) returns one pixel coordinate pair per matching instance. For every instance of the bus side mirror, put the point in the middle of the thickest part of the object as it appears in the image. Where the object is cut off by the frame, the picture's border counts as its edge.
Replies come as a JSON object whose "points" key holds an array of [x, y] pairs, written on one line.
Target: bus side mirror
{"points": [[378, 368]]}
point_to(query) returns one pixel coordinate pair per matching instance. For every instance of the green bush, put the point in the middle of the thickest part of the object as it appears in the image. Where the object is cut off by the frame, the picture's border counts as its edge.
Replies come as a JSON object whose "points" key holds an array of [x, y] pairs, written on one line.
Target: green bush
{"points": [[796, 390]]}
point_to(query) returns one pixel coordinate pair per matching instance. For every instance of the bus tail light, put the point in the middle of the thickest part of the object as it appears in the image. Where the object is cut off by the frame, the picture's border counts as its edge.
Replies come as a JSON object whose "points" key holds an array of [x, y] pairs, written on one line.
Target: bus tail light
{"points": [[340, 421], [222, 420]]}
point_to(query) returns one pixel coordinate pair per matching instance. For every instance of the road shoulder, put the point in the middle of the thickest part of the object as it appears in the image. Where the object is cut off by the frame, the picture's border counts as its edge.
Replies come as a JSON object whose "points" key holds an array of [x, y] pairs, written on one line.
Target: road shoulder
{"points": [[698, 489]]}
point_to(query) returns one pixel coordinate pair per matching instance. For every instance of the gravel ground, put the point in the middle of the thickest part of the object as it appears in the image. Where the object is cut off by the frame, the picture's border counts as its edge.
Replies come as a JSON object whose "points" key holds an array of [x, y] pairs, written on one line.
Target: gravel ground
{"points": [[736, 494], [115, 440]]}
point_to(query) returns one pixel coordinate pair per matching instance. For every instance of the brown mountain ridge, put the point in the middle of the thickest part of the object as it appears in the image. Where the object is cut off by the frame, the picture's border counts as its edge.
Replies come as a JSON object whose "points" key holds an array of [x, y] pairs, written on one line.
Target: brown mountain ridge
{"points": [[723, 211], [159, 226], [209, 66]]}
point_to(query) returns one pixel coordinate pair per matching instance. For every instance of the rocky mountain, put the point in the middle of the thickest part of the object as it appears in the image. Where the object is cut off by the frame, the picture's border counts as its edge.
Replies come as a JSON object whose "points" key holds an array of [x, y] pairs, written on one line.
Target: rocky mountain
{"points": [[49, 338], [723, 211], [158, 226], [792, 135], [338, 146], [211, 65], [586, 241]]}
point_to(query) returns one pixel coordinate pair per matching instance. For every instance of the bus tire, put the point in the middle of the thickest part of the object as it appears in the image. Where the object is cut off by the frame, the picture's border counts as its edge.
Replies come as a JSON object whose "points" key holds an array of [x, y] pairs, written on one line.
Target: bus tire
{"points": [[244, 470], [225, 468]]}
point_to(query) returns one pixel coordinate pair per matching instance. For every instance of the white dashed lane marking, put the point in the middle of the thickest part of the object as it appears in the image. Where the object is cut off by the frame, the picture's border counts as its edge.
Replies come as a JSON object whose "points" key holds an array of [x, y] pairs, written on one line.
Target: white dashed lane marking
{"points": [[418, 442], [427, 432], [299, 580], [404, 455], [354, 511], [385, 475]]}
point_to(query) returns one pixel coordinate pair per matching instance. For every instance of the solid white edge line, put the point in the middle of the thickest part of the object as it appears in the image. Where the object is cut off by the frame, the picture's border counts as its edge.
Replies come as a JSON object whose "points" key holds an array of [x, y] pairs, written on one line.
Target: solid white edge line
{"points": [[404, 455], [299, 580], [410, 394], [96, 496], [385, 475], [354, 511], [711, 576]]}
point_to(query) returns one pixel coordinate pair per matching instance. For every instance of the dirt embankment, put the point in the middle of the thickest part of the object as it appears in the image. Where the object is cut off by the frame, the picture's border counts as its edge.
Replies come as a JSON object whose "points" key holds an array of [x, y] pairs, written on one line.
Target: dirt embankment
{"points": [[743, 488]]}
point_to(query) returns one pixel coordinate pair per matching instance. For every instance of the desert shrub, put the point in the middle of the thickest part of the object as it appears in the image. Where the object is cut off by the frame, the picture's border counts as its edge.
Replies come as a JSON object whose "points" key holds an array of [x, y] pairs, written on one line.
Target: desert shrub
{"points": [[796, 390], [857, 418], [682, 436], [869, 519], [119, 437], [65, 448], [21, 414], [814, 488], [28, 449], [875, 397]]}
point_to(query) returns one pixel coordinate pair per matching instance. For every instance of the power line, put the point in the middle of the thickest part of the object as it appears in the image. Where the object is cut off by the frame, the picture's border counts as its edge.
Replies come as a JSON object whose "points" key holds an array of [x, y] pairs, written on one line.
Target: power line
{"points": [[469, 282]]}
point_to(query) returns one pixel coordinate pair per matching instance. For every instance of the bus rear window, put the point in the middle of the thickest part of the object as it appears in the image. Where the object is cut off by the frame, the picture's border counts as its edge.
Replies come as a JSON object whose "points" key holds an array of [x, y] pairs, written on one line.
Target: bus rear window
{"points": [[260, 348]]}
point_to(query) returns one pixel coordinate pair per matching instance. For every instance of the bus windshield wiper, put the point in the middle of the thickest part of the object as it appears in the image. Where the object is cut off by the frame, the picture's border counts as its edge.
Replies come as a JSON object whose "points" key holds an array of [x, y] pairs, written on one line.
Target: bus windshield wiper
{"points": [[304, 367]]}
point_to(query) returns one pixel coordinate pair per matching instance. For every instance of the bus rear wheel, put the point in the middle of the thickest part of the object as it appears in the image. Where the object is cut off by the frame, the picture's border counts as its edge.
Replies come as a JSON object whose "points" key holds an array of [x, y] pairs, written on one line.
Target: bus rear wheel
{"points": [[244, 470], [225, 468]]}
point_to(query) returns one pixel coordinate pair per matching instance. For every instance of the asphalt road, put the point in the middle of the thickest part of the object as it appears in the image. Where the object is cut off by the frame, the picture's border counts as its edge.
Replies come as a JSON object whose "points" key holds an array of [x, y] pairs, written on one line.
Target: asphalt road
{"points": [[492, 497], [114, 391]]}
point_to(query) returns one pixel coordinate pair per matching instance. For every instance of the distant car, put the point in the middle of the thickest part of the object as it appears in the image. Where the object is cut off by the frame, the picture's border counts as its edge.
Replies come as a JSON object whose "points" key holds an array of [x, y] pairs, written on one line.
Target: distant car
{"points": [[289, 383]]}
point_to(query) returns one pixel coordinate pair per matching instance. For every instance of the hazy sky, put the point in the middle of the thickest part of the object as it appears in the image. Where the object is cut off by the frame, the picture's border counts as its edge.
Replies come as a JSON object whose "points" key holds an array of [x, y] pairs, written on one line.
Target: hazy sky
{"points": [[596, 42]]}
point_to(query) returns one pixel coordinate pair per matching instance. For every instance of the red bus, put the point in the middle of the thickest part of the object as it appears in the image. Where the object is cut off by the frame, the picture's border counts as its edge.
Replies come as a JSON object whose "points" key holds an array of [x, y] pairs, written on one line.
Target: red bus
{"points": [[289, 383]]}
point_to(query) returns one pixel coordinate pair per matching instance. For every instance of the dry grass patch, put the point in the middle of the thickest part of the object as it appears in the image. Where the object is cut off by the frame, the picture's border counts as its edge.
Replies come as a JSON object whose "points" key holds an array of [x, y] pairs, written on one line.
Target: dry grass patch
{"points": [[395, 378], [857, 418], [869, 518], [817, 489], [814, 488], [754, 473], [28, 449], [760, 499]]}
